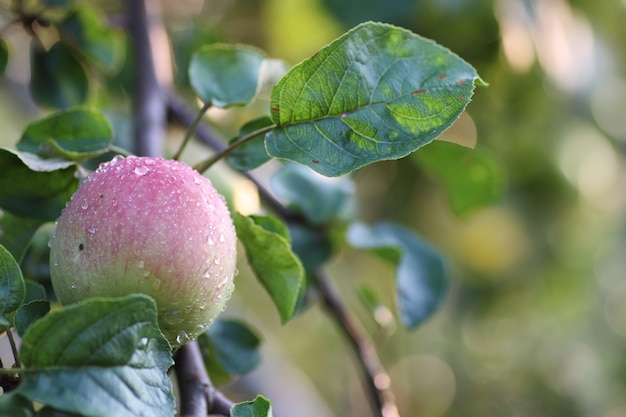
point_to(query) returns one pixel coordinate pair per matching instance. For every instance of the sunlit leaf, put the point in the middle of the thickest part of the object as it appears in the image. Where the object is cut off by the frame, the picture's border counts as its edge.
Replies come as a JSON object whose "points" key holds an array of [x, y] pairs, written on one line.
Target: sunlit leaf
{"points": [[319, 198], [225, 75], [422, 273], [32, 187], [75, 135], [470, 177], [260, 407], [269, 254], [57, 79], [251, 154], [376, 93], [84, 28], [12, 287], [105, 349]]}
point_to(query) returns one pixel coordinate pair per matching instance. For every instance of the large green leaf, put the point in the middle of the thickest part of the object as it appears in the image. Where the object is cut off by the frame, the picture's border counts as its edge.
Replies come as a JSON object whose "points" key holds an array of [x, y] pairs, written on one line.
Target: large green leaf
{"points": [[471, 177], [75, 135], [320, 199], [259, 407], [422, 273], [57, 79], [12, 287], [4, 55], [32, 187], [225, 75], [269, 253], [84, 29], [378, 92], [14, 405], [29, 313], [99, 358]]}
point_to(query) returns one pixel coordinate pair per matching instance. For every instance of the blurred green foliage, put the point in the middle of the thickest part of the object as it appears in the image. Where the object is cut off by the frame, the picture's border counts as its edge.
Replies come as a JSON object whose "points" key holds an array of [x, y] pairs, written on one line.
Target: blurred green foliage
{"points": [[536, 322]]}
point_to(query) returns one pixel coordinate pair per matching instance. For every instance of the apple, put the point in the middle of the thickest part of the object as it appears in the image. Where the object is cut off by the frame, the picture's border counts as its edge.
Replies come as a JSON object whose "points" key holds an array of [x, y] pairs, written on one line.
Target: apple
{"points": [[151, 226]]}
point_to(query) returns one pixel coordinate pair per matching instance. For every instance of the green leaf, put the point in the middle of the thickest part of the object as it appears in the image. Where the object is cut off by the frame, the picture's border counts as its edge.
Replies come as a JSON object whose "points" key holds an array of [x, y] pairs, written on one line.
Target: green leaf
{"points": [[16, 233], [75, 135], [376, 93], [260, 407], [51, 412], [4, 55], [14, 405], [29, 313], [252, 154], [231, 349], [470, 177], [12, 287], [105, 349], [320, 199], [57, 79], [84, 29], [422, 274], [35, 188], [269, 254], [56, 3], [312, 245], [225, 75]]}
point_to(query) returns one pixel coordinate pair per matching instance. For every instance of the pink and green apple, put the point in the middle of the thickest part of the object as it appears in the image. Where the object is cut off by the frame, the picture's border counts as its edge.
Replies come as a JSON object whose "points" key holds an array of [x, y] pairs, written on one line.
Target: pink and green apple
{"points": [[151, 226]]}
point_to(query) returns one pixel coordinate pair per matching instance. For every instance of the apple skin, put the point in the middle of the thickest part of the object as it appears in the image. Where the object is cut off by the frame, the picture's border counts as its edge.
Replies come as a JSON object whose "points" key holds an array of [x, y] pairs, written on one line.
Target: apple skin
{"points": [[151, 226]]}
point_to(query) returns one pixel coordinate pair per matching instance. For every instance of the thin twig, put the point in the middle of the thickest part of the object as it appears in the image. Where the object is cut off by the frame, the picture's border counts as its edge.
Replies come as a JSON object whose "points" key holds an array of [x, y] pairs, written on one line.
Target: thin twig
{"points": [[191, 130], [376, 379], [14, 349], [198, 396], [149, 110]]}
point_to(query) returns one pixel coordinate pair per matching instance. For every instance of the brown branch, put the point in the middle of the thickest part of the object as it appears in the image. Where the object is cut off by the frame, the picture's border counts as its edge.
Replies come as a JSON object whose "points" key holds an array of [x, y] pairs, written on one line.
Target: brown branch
{"points": [[198, 396], [376, 379], [149, 105]]}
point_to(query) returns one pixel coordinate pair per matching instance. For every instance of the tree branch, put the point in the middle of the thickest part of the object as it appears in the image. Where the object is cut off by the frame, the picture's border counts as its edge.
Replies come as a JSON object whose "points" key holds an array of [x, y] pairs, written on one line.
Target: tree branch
{"points": [[376, 379], [149, 105], [198, 396]]}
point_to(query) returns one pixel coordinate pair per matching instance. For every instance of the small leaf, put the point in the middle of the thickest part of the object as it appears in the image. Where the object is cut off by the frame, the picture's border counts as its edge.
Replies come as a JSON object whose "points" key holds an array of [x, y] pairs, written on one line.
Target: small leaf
{"points": [[231, 349], [4, 55], [260, 407], [75, 135], [470, 177], [34, 291], [275, 265], [109, 349], [225, 75], [12, 287], [16, 233], [250, 155], [319, 198], [30, 313], [15, 405], [57, 79], [422, 274], [84, 29], [31, 187], [312, 245], [378, 92]]}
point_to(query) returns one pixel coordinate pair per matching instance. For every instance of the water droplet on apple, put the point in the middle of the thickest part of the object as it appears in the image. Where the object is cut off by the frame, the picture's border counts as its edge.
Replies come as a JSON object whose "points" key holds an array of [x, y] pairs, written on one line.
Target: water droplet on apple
{"points": [[141, 263], [73, 285], [211, 241], [222, 237], [85, 205], [217, 260], [141, 170], [182, 337], [189, 309], [116, 159], [91, 230], [174, 317], [156, 283]]}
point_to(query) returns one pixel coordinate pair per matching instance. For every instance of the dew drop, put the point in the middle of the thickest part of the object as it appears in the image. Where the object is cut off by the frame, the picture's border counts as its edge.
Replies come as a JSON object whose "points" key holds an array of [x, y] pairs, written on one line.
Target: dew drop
{"points": [[73, 285], [211, 241], [182, 337], [116, 159], [174, 317], [222, 237], [91, 230], [141, 170], [189, 309], [85, 205], [217, 260], [156, 283], [141, 263], [207, 273]]}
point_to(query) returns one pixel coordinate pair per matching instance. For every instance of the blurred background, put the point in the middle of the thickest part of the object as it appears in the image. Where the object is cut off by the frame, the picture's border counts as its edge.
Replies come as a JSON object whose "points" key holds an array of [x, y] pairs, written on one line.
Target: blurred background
{"points": [[535, 324]]}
